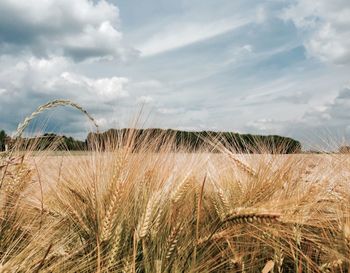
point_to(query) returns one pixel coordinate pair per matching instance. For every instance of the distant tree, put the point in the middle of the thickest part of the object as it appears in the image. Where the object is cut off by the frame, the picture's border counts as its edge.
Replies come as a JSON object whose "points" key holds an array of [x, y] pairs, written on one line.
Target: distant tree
{"points": [[2, 140], [344, 149], [194, 141]]}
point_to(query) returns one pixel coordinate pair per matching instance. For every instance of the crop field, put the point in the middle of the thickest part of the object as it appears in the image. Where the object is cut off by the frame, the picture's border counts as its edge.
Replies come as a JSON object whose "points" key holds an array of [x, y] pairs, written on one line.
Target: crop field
{"points": [[165, 136], [153, 205], [119, 211]]}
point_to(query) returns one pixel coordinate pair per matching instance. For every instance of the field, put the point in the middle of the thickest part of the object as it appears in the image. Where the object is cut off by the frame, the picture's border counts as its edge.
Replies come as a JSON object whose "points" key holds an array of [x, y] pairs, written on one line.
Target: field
{"points": [[121, 211]]}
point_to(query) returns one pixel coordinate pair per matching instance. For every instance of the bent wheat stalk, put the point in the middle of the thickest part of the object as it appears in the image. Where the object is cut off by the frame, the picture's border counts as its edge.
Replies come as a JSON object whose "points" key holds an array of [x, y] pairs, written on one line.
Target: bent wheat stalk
{"points": [[23, 125], [52, 104]]}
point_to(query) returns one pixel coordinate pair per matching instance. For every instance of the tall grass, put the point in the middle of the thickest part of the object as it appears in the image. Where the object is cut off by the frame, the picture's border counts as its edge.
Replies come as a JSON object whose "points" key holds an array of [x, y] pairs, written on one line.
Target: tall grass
{"points": [[118, 210]]}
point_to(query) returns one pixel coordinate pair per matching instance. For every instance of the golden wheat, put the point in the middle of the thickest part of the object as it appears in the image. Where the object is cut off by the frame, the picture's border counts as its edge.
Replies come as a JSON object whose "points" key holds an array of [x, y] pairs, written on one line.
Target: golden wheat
{"points": [[118, 210]]}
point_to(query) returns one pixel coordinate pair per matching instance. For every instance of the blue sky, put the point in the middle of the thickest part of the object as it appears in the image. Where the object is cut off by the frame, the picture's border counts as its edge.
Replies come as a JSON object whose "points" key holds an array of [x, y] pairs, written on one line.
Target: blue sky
{"points": [[267, 67]]}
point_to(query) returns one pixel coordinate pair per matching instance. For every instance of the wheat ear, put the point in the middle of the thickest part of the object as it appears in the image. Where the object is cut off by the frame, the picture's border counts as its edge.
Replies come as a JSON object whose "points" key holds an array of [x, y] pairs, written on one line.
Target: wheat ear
{"points": [[243, 166], [330, 266], [157, 221], [253, 218], [115, 246], [224, 202], [181, 190], [113, 205], [172, 241], [145, 225]]}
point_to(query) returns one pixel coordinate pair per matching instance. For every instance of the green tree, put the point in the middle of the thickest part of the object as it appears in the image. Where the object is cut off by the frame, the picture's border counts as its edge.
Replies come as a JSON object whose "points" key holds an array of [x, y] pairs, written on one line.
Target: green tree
{"points": [[344, 149], [2, 140]]}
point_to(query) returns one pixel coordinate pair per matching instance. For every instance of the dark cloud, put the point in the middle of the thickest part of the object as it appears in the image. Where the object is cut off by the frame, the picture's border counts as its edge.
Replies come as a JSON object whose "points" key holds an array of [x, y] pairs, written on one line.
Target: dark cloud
{"points": [[80, 29]]}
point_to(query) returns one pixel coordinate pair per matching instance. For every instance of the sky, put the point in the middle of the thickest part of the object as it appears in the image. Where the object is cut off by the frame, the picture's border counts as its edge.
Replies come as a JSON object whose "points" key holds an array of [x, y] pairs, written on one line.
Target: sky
{"points": [[248, 66]]}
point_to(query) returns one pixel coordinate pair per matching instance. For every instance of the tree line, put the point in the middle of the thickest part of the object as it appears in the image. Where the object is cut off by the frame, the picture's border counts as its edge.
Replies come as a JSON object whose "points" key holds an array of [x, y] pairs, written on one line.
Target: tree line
{"points": [[43, 142], [195, 141], [192, 141], [3, 137]]}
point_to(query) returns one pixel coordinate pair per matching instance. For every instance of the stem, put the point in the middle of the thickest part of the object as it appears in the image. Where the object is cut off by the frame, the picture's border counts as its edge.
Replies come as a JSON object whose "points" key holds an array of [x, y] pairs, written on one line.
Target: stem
{"points": [[198, 219]]}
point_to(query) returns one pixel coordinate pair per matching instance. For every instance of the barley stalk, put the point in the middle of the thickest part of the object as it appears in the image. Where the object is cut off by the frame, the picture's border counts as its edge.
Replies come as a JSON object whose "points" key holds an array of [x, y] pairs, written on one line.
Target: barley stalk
{"points": [[253, 218], [157, 221], [116, 246], [145, 225], [172, 241], [60, 102], [224, 202], [110, 213], [243, 166], [330, 266], [181, 190], [218, 208]]}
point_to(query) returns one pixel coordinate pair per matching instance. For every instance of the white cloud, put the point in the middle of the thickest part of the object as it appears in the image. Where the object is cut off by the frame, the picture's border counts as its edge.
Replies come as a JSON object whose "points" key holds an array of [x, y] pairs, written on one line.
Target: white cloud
{"points": [[149, 84], [171, 110], [54, 76], [31, 82], [105, 89], [80, 29], [264, 125], [180, 34], [145, 99], [327, 27], [334, 113], [261, 14], [19, 75]]}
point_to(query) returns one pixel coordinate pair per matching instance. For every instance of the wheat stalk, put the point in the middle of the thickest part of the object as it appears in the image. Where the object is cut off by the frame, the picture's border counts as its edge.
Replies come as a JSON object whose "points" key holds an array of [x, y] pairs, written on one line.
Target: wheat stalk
{"points": [[330, 266], [243, 166], [218, 208], [113, 206], [181, 190], [224, 202], [60, 102], [278, 259], [145, 224], [172, 241], [157, 221], [115, 246]]}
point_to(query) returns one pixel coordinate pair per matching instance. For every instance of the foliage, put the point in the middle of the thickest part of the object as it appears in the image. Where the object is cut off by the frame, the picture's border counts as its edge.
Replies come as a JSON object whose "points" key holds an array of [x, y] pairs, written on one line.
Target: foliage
{"points": [[344, 149], [2, 140], [194, 141]]}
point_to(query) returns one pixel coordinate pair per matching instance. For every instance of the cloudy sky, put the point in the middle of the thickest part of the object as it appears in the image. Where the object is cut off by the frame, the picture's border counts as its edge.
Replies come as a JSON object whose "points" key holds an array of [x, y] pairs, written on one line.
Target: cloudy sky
{"points": [[250, 66]]}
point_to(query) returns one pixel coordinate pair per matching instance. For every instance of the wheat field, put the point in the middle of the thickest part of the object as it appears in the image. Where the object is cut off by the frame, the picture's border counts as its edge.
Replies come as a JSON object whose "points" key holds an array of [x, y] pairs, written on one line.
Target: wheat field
{"points": [[117, 210]]}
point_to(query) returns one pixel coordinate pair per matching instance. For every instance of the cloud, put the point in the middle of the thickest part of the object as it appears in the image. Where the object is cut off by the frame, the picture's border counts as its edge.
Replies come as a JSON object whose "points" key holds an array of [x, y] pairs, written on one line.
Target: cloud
{"points": [[245, 71], [32, 82], [2, 91], [322, 126], [80, 29], [263, 125], [295, 98], [171, 111], [145, 99], [105, 89], [332, 114], [178, 34], [326, 26], [149, 84]]}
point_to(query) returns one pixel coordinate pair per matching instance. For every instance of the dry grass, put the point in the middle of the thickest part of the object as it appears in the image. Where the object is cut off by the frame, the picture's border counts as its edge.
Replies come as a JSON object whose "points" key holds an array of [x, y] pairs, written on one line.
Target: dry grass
{"points": [[119, 211]]}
